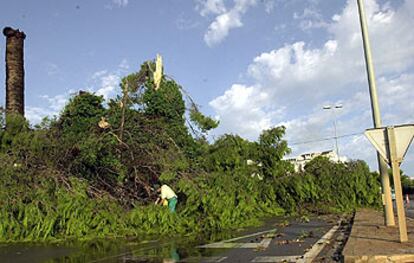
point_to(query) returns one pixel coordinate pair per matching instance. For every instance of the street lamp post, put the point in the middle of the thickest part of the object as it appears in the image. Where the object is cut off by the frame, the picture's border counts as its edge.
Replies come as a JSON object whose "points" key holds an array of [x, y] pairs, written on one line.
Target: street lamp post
{"points": [[334, 108], [376, 116]]}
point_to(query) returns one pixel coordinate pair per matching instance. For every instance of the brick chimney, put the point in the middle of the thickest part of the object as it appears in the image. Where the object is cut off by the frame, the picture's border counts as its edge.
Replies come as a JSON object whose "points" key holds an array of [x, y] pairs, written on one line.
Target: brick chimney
{"points": [[14, 71]]}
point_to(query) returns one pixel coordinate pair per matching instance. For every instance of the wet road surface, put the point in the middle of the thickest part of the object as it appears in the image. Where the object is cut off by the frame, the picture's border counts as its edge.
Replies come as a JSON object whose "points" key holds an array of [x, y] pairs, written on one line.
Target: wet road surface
{"points": [[296, 242], [278, 240]]}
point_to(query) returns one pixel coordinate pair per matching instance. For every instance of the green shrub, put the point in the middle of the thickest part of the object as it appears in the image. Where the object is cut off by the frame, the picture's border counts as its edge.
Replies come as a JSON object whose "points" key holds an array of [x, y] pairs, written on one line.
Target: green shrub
{"points": [[69, 178]]}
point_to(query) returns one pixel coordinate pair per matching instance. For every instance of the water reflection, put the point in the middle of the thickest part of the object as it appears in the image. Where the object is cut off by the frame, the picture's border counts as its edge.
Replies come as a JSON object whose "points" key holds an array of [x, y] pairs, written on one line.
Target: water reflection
{"points": [[103, 251], [142, 249]]}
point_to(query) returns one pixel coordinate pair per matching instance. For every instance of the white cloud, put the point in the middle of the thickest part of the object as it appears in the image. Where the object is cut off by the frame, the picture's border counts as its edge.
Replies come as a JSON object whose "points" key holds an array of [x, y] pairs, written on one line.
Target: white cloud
{"points": [[241, 109], [36, 114], [108, 84], [120, 3], [397, 99], [310, 18], [390, 34], [305, 70], [116, 3], [124, 65], [300, 80], [56, 103], [219, 29], [103, 82], [98, 74], [184, 23], [208, 7], [269, 5], [52, 107], [223, 23]]}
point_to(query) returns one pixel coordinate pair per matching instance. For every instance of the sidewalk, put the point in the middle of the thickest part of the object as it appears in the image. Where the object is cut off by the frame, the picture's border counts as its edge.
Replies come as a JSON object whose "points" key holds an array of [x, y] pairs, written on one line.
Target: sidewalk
{"points": [[371, 241]]}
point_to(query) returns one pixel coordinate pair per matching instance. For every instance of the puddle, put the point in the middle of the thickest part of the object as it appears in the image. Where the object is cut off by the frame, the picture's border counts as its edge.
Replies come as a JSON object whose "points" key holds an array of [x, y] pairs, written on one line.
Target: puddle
{"points": [[168, 249], [148, 249]]}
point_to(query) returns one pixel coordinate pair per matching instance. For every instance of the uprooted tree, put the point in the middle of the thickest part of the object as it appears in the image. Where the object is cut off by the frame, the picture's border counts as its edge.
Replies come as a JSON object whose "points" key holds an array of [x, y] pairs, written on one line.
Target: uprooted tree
{"points": [[124, 147], [89, 172]]}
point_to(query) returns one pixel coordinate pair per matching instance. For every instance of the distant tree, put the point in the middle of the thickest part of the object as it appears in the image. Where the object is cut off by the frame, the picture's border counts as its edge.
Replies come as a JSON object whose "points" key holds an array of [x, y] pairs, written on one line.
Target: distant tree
{"points": [[81, 114], [271, 150], [406, 181], [229, 153]]}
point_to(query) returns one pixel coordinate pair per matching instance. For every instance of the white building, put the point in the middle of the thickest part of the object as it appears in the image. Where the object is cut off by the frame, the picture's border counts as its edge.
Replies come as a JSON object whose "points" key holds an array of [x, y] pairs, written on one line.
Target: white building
{"points": [[300, 161]]}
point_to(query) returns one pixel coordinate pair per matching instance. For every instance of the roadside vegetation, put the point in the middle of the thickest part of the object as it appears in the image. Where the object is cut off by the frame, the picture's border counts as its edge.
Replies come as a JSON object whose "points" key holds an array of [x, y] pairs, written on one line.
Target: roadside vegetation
{"points": [[89, 172]]}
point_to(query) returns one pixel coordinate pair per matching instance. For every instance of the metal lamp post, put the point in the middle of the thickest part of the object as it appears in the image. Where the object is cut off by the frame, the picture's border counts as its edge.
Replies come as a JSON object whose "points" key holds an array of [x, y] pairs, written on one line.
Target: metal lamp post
{"points": [[334, 108], [376, 116]]}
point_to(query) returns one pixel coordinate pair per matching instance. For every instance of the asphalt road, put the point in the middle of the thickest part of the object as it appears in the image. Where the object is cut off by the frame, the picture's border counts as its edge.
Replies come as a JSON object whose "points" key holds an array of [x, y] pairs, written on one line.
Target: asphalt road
{"points": [[295, 242]]}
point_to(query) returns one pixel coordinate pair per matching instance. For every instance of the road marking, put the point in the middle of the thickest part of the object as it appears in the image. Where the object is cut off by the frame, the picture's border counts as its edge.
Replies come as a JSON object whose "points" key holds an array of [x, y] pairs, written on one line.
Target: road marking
{"points": [[212, 259], [266, 241], [221, 259], [318, 246], [277, 259], [250, 235], [264, 244], [229, 242]]}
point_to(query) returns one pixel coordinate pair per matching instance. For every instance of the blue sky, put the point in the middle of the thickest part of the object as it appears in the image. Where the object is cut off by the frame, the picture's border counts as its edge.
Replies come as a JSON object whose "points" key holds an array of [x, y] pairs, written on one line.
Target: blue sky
{"points": [[253, 64]]}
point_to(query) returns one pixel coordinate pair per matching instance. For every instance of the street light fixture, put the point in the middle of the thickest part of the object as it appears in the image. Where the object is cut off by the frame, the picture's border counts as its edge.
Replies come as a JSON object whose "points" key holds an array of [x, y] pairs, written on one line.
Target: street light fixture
{"points": [[333, 108]]}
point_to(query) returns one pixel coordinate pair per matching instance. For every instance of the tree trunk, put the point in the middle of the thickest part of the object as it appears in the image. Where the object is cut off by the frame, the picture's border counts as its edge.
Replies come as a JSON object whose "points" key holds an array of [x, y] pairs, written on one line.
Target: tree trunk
{"points": [[14, 71]]}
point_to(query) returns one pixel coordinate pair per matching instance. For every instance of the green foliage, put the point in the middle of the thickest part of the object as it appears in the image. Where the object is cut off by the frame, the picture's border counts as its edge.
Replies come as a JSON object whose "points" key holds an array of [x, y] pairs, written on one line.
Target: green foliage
{"points": [[16, 126], [231, 152], [71, 178], [81, 114], [271, 150], [204, 123], [406, 181], [49, 211], [228, 153], [167, 105], [330, 187], [166, 102]]}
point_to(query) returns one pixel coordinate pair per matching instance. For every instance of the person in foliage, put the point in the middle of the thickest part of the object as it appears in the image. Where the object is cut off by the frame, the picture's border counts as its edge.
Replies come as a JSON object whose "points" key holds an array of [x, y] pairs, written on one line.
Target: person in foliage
{"points": [[166, 193]]}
